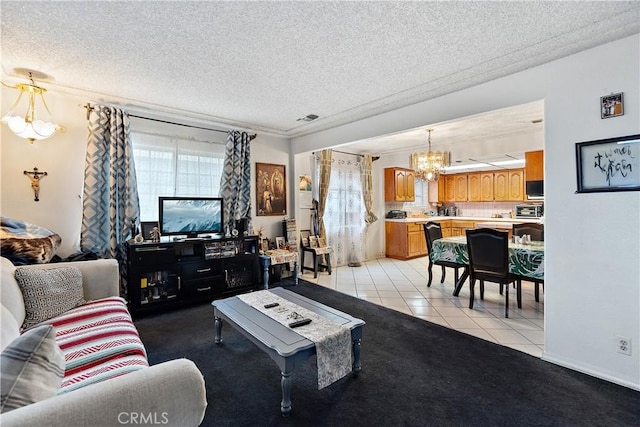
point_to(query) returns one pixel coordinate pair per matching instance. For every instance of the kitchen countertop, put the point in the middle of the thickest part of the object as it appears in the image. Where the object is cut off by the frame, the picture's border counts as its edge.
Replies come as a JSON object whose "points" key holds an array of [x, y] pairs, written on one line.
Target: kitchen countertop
{"points": [[467, 218]]}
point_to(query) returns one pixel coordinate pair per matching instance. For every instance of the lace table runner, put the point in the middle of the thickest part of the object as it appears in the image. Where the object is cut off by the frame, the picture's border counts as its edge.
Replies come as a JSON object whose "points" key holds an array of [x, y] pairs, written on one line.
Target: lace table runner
{"points": [[333, 341], [281, 256]]}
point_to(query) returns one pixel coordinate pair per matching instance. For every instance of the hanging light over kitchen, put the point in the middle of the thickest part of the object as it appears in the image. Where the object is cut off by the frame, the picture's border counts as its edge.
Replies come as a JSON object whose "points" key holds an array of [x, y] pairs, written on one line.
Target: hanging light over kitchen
{"points": [[429, 165]]}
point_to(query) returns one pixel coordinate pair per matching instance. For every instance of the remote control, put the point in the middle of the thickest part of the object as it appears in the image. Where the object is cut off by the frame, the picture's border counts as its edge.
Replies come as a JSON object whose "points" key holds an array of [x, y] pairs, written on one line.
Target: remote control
{"points": [[299, 323], [273, 304]]}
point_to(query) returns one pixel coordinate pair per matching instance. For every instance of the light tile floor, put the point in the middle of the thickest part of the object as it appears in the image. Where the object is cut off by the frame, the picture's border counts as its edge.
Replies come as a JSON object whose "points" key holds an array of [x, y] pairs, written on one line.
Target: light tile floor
{"points": [[402, 286]]}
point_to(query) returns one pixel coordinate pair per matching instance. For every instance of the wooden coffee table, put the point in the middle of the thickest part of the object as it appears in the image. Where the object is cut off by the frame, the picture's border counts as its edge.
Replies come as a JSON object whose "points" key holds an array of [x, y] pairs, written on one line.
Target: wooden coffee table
{"points": [[286, 347]]}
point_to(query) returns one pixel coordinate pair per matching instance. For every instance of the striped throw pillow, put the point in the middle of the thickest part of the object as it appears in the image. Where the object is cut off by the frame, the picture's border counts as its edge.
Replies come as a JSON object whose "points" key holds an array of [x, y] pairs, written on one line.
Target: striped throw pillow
{"points": [[49, 293], [32, 368]]}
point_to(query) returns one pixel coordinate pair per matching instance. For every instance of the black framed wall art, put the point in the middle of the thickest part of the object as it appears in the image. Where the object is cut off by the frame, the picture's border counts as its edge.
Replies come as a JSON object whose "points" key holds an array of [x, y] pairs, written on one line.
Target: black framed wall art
{"points": [[611, 164]]}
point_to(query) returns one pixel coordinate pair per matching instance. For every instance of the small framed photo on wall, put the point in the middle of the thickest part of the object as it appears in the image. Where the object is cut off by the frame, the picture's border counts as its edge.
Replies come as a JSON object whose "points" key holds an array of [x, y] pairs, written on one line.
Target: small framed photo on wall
{"points": [[611, 105]]}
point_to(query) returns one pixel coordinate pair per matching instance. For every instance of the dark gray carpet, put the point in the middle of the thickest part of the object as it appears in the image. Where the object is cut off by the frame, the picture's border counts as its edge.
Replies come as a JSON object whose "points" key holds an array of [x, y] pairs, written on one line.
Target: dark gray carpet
{"points": [[414, 373]]}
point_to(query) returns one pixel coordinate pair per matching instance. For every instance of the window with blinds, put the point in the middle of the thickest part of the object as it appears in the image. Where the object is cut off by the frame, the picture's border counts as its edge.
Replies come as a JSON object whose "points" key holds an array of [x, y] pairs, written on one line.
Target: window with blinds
{"points": [[174, 166]]}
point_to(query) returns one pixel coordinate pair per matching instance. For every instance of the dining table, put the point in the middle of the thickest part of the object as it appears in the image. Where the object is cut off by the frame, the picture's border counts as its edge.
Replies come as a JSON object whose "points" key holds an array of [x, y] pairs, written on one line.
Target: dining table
{"points": [[525, 259]]}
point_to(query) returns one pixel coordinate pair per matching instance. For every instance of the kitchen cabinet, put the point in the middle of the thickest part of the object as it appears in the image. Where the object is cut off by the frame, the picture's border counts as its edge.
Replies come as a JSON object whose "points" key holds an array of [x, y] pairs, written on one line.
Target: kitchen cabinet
{"points": [[486, 187], [534, 165], [500, 186], [480, 187], [405, 240], [474, 191], [445, 227], [417, 240], [516, 184], [449, 188], [437, 190], [399, 185], [508, 185], [458, 227], [461, 187]]}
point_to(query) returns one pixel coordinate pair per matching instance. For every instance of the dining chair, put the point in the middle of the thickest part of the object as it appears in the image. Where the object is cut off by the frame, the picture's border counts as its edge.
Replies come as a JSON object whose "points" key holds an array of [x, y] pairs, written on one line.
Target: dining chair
{"points": [[433, 231], [536, 231], [488, 251]]}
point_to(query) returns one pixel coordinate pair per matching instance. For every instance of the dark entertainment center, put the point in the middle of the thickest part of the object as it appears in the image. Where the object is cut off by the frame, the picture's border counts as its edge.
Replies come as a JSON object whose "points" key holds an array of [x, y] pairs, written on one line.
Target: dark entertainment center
{"points": [[175, 273]]}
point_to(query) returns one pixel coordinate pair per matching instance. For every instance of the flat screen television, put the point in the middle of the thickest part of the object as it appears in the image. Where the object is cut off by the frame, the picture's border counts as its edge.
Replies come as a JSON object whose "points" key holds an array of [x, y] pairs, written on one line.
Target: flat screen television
{"points": [[191, 216]]}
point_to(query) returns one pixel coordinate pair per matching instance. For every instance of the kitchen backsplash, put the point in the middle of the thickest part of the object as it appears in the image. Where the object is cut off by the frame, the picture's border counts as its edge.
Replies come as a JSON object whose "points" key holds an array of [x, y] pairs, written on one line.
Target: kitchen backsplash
{"points": [[476, 209]]}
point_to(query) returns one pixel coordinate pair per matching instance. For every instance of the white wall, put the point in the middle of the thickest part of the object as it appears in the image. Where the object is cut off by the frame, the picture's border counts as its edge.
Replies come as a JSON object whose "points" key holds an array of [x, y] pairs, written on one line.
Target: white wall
{"points": [[63, 156], [592, 241], [266, 149]]}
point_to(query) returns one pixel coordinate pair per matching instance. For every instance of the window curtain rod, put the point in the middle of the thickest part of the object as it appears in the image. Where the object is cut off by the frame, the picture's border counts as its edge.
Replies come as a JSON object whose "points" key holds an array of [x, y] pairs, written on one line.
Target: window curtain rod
{"points": [[373, 158], [89, 108]]}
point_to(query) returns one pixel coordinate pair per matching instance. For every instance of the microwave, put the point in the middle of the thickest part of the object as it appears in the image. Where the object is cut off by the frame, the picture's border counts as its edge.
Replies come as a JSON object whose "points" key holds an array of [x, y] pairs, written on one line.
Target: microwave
{"points": [[529, 211]]}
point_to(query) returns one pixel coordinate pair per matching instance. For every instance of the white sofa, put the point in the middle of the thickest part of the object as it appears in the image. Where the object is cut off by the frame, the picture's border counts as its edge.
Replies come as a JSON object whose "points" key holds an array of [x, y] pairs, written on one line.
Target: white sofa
{"points": [[170, 393]]}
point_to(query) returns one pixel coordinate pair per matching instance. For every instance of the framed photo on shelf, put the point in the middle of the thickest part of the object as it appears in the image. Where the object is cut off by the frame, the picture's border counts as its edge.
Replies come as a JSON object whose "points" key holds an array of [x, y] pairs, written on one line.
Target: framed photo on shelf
{"points": [[146, 227], [608, 165], [313, 241], [611, 105], [322, 242], [280, 244], [304, 237], [265, 244], [271, 191]]}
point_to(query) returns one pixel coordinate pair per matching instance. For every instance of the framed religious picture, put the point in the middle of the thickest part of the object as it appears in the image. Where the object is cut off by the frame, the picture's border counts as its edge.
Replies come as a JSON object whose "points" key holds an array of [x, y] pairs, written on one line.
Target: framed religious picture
{"points": [[608, 165], [280, 243], [265, 244], [313, 241], [304, 237], [271, 191], [322, 242]]}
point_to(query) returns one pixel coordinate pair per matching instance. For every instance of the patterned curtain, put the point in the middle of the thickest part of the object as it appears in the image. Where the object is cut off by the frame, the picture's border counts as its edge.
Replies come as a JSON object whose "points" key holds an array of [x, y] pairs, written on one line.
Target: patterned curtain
{"points": [[323, 188], [110, 199], [367, 188], [235, 183]]}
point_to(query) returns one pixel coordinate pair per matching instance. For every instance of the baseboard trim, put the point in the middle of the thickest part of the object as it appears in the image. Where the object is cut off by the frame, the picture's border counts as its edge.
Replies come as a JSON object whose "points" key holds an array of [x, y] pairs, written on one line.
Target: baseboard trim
{"points": [[589, 370]]}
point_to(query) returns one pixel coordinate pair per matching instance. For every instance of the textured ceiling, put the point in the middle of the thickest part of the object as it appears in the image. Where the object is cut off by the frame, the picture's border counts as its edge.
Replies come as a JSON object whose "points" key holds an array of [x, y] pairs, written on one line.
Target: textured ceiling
{"points": [[263, 65], [490, 137]]}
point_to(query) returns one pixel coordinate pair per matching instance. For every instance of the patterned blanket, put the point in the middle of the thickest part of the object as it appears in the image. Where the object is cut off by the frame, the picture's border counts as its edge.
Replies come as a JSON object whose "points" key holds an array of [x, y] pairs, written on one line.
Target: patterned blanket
{"points": [[24, 243]]}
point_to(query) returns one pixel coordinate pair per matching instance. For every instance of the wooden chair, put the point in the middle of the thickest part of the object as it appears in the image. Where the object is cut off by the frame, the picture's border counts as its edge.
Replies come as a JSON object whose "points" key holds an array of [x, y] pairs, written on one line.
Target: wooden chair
{"points": [[488, 251], [536, 231], [433, 231], [318, 254]]}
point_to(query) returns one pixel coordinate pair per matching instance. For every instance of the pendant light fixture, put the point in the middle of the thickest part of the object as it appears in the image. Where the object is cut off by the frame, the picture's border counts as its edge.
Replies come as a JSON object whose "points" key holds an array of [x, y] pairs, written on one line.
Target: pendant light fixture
{"points": [[428, 166], [30, 118]]}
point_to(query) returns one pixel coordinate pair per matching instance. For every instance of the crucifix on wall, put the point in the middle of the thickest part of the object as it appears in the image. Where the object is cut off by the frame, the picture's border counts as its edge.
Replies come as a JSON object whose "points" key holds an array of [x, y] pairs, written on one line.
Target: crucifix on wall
{"points": [[35, 176]]}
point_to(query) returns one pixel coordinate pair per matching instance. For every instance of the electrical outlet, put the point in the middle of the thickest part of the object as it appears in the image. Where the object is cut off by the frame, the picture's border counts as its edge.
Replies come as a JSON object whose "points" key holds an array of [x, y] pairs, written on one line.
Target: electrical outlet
{"points": [[623, 345]]}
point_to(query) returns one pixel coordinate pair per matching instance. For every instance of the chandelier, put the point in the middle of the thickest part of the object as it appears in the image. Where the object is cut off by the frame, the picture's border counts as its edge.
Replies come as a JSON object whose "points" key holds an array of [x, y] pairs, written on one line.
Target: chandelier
{"points": [[430, 165], [22, 119]]}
